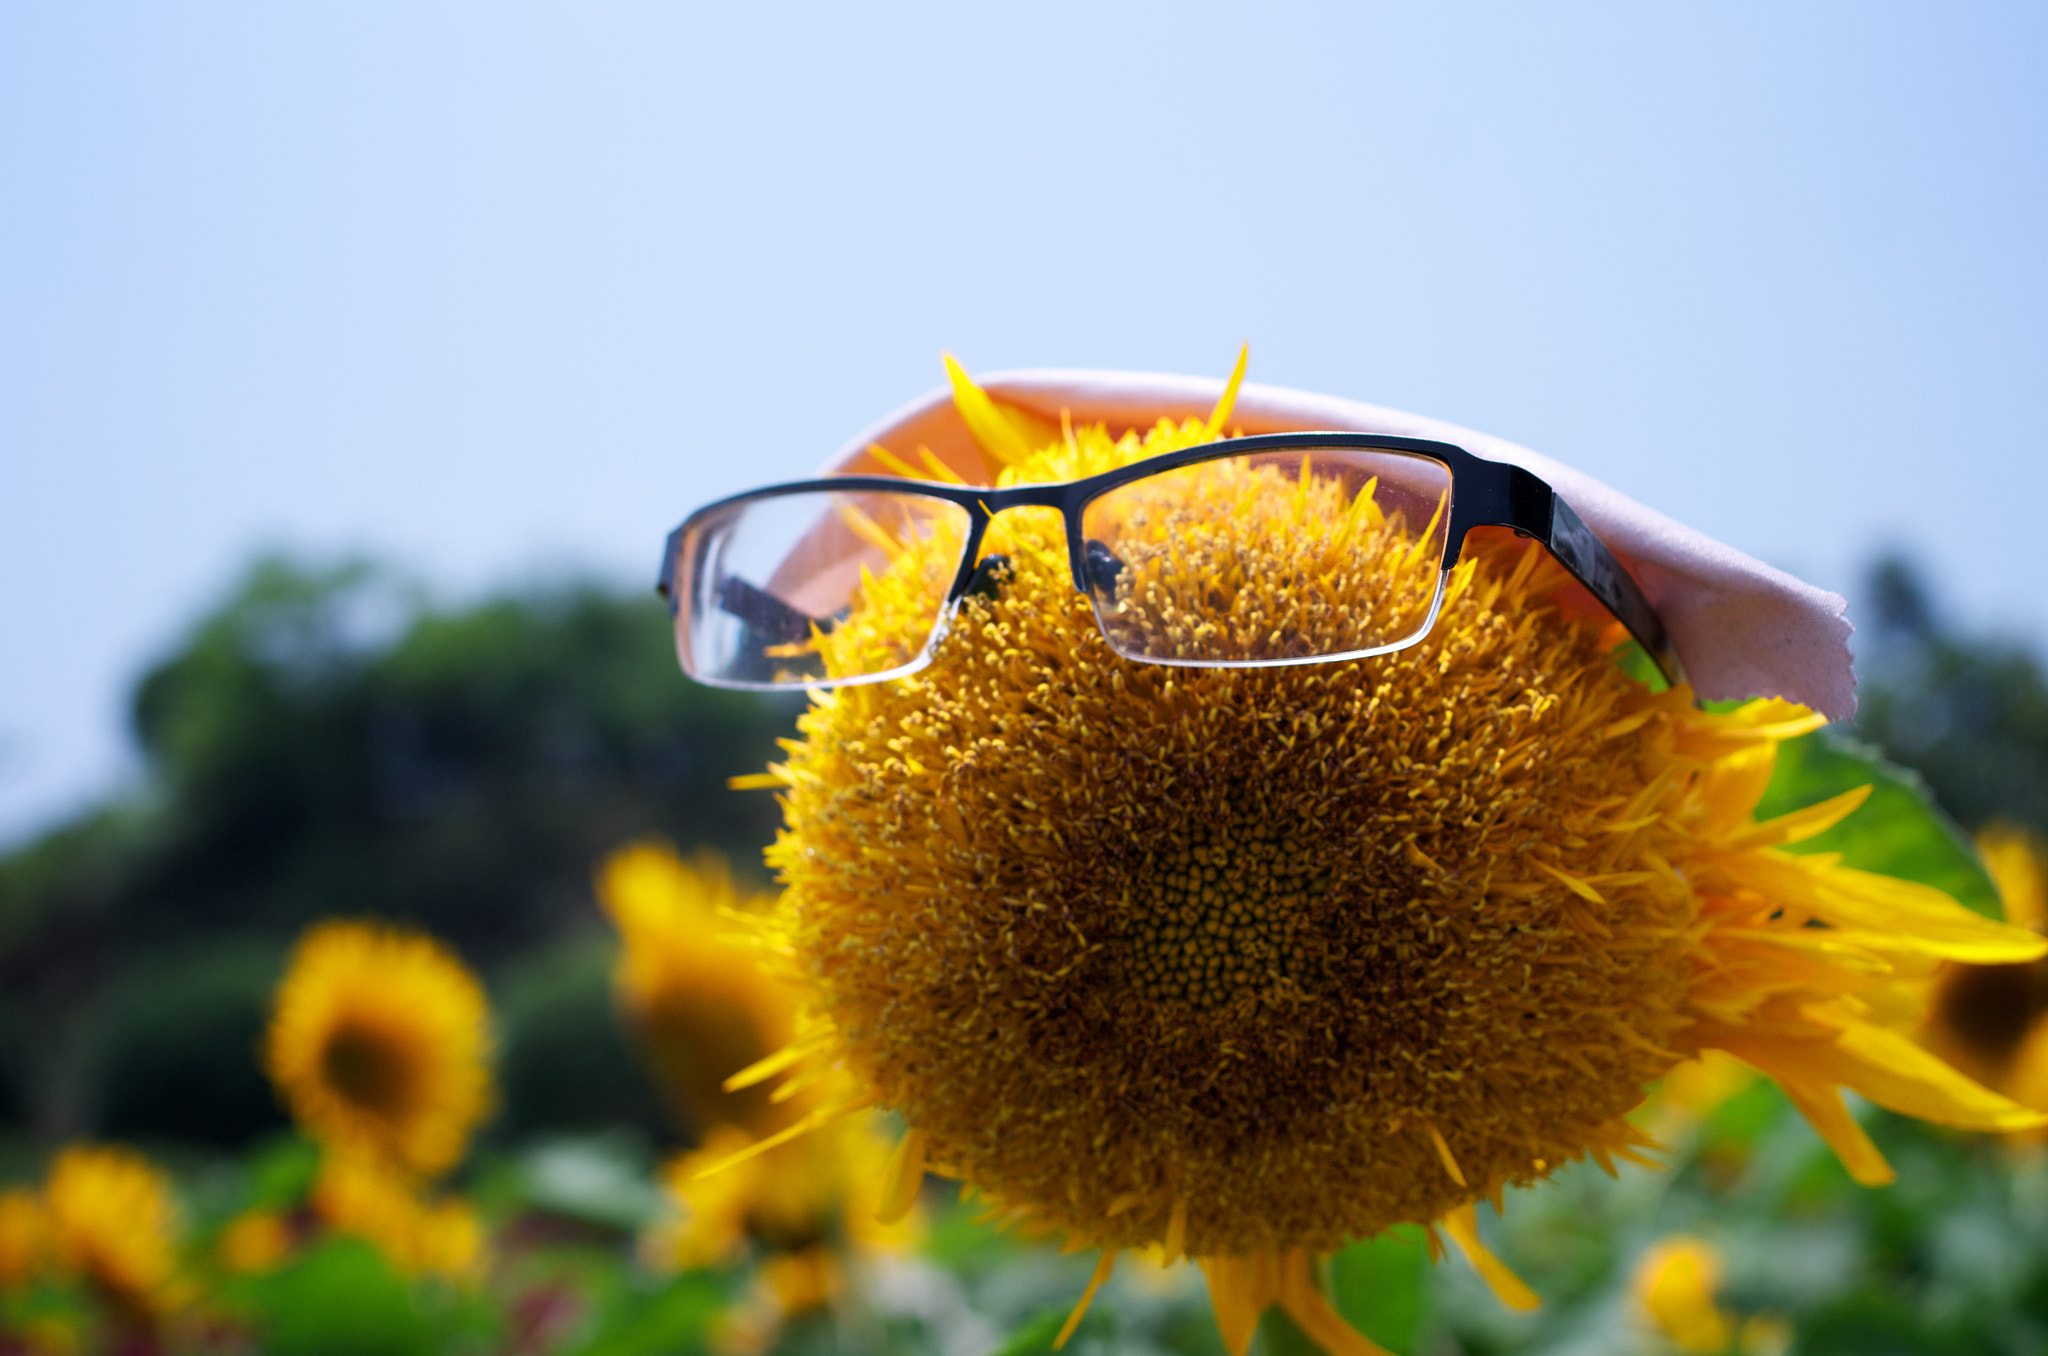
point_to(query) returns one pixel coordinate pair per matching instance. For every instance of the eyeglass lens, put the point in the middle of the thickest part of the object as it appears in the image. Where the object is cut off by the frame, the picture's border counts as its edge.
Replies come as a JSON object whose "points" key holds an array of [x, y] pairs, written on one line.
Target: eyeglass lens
{"points": [[765, 582], [1288, 555]]}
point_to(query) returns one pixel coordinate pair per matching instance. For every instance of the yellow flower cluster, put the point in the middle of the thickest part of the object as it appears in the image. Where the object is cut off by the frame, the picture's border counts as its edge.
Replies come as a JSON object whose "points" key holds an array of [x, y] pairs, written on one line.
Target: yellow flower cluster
{"points": [[105, 1216], [421, 1237]]}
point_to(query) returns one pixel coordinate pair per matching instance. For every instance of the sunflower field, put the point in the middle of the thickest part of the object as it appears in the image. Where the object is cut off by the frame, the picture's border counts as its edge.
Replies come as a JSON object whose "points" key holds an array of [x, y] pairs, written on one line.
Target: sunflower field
{"points": [[441, 992]]}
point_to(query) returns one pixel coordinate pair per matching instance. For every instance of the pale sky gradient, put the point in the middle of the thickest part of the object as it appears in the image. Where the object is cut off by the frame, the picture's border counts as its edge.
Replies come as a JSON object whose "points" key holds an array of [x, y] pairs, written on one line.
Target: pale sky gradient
{"points": [[485, 288]]}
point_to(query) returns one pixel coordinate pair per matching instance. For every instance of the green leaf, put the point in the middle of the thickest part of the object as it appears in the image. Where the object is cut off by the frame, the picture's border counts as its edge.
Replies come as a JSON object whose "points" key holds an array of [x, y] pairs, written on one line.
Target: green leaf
{"points": [[676, 1319], [1632, 659], [1379, 1286], [1376, 1286], [1897, 832], [1036, 1337], [282, 1172], [342, 1299], [959, 1240]]}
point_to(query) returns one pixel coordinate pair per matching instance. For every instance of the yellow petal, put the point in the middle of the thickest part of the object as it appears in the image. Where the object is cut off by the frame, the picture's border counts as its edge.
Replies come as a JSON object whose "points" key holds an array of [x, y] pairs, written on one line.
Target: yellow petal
{"points": [[905, 1174], [1002, 431], [1311, 1311], [1443, 1153], [1801, 825], [1176, 1231], [1237, 1297], [1462, 1225], [892, 463], [1733, 786], [1102, 1270], [2014, 858], [1826, 1113], [1895, 1072], [1228, 401], [1571, 882], [1922, 917], [817, 1120], [761, 1070]]}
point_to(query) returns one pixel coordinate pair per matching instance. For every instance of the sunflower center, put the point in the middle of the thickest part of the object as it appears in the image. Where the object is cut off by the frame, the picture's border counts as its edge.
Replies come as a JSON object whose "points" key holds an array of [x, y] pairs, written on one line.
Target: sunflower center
{"points": [[363, 1067], [1129, 942], [1216, 918]]}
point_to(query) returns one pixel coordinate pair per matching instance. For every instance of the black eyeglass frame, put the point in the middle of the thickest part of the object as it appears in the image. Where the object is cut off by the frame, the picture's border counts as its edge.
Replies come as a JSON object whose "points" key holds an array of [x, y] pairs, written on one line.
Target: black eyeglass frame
{"points": [[1483, 494]]}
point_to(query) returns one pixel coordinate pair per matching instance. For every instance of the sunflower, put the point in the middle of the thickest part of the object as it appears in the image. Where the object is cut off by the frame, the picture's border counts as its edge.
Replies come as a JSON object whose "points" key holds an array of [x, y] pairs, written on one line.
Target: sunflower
{"points": [[420, 1237], [1988, 1019], [694, 988], [1675, 1285], [114, 1223], [695, 995], [255, 1241], [24, 1237], [379, 1044], [791, 1198], [1249, 964]]}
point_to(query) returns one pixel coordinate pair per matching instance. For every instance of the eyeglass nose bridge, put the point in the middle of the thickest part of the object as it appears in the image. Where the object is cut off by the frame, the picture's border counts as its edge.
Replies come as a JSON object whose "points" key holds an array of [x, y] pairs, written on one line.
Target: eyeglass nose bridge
{"points": [[982, 511]]}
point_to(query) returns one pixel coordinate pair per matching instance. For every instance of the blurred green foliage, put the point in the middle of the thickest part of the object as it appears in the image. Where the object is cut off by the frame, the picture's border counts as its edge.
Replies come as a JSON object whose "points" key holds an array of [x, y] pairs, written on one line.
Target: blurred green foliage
{"points": [[565, 1062], [326, 743], [1969, 714]]}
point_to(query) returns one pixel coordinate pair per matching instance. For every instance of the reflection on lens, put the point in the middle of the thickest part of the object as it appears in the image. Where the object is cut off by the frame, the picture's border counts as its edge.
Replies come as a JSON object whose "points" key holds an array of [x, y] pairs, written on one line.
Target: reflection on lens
{"points": [[765, 583], [1272, 557]]}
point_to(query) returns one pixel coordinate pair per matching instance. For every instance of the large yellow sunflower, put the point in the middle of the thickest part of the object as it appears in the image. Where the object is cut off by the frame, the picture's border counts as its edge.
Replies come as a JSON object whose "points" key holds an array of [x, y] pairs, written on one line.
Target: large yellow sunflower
{"points": [[1253, 963], [379, 1044]]}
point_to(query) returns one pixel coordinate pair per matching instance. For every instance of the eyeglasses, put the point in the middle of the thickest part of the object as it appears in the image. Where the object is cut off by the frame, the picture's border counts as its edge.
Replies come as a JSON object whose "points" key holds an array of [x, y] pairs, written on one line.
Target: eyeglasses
{"points": [[1289, 548]]}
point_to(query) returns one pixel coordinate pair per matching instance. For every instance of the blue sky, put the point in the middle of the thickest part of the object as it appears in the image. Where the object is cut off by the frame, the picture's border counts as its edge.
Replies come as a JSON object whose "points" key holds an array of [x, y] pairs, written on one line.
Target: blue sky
{"points": [[488, 289]]}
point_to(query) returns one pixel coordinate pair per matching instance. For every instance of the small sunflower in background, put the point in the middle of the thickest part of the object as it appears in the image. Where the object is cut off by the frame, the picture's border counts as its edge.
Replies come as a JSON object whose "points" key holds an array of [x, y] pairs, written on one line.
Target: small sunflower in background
{"points": [[380, 1043], [696, 997], [1988, 1020], [113, 1222], [704, 1008], [255, 1241], [1247, 964], [1677, 1286]]}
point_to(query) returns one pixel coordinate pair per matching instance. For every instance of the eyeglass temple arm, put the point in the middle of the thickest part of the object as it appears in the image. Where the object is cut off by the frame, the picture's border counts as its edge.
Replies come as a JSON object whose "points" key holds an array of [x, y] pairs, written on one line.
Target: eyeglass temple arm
{"points": [[765, 616], [1524, 501], [670, 549]]}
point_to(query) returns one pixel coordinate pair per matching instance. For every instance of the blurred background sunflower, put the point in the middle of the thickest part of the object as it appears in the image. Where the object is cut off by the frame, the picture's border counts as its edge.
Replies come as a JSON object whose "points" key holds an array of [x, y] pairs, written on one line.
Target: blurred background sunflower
{"points": [[379, 1045]]}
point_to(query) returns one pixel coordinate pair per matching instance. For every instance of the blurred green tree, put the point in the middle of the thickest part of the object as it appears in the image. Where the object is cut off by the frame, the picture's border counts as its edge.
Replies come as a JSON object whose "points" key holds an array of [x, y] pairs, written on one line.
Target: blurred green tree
{"points": [[1969, 714], [327, 743]]}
